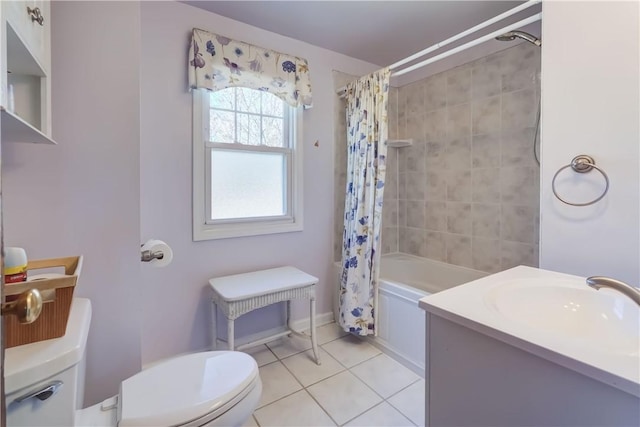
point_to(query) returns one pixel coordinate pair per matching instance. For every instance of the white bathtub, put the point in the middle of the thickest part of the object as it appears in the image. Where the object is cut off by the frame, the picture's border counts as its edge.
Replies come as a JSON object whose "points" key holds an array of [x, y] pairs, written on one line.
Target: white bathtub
{"points": [[404, 279]]}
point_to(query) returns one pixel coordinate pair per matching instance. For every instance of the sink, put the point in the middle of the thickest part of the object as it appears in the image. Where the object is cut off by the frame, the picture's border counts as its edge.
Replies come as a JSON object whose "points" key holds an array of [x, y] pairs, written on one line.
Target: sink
{"points": [[568, 309]]}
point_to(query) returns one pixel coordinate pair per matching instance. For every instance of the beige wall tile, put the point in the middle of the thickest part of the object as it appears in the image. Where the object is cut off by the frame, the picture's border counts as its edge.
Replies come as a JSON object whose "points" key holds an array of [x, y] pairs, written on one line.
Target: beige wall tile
{"points": [[458, 153], [435, 125], [516, 146], [459, 218], [458, 120], [436, 188], [415, 97], [486, 78], [458, 249], [519, 109], [485, 220], [415, 214], [486, 185], [402, 213], [485, 151], [486, 254], [435, 92], [514, 254], [390, 212], [486, 115], [459, 185], [435, 246], [520, 185], [415, 127], [518, 223], [435, 216], [415, 186], [389, 239], [459, 85], [412, 158], [435, 155]]}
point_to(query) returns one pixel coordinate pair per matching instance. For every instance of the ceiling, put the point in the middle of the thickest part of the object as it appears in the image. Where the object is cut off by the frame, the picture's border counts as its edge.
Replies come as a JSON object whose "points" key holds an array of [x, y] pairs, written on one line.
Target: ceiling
{"points": [[379, 32]]}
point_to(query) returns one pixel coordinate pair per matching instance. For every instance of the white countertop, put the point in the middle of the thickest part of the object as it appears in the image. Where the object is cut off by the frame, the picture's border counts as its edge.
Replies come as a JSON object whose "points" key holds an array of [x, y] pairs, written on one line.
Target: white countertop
{"points": [[28, 364], [467, 305]]}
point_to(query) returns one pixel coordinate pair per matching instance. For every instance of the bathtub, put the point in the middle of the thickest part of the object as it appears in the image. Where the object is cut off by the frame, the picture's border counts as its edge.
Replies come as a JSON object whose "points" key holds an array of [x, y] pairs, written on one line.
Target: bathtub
{"points": [[404, 279]]}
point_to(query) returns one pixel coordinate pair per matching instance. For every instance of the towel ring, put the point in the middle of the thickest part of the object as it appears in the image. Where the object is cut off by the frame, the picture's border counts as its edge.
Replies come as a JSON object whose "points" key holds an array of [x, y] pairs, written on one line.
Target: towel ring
{"points": [[581, 164]]}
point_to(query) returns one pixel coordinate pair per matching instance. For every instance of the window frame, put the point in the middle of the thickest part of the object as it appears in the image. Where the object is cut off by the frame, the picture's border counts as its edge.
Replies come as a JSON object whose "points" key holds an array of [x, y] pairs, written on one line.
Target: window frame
{"points": [[204, 228]]}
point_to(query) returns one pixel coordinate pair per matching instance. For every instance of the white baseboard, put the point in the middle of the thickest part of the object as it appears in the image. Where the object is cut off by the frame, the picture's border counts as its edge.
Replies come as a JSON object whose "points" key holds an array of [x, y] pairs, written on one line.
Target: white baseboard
{"points": [[298, 325], [321, 319]]}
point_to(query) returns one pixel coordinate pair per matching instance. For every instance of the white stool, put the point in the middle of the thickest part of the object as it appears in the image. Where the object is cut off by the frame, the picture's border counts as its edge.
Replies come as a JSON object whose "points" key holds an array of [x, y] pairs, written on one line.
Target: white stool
{"points": [[241, 293]]}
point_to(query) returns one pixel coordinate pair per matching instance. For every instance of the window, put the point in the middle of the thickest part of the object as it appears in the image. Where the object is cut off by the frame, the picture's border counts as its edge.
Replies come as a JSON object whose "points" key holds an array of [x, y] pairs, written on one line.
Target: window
{"points": [[247, 164]]}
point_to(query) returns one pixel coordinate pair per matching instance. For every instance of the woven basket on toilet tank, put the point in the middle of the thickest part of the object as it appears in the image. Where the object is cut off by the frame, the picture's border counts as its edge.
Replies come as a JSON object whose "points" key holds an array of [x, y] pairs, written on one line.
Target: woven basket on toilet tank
{"points": [[57, 294]]}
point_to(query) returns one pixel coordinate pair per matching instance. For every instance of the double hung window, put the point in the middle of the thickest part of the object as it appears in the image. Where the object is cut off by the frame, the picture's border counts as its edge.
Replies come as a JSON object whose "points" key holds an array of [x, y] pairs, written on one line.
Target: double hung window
{"points": [[247, 164]]}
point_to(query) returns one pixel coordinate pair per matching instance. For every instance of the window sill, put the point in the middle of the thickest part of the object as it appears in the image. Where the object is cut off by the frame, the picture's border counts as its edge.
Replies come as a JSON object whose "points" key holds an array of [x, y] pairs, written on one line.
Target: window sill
{"points": [[227, 231]]}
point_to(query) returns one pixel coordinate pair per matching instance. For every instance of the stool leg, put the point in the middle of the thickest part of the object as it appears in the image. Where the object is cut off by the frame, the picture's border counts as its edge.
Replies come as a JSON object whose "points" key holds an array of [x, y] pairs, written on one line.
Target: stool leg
{"points": [[230, 333], [288, 311], [314, 341], [214, 326]]}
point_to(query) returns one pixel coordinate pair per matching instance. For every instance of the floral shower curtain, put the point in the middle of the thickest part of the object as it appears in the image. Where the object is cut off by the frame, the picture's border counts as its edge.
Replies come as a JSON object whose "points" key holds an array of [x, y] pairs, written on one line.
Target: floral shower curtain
{"points": [[367, 100]]}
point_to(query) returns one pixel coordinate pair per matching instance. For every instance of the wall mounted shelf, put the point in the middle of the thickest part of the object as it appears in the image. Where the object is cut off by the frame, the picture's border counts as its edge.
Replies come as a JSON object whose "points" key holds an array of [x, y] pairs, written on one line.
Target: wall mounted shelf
{"points": [[15, 129]]}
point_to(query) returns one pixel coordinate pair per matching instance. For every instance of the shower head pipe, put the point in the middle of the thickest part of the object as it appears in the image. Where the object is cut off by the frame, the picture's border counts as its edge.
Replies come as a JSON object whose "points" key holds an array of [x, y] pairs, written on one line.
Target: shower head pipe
{"points": [[512, 35]]}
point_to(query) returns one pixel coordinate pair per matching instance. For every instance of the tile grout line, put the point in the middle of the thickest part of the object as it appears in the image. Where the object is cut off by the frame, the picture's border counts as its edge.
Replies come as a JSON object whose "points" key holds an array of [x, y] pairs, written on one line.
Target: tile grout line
{"points": [[345, 369]]}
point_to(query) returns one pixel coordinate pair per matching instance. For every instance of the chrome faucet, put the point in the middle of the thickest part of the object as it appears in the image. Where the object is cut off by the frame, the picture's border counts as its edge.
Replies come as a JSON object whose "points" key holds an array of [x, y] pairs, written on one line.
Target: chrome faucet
{"points": [[597, 282]]}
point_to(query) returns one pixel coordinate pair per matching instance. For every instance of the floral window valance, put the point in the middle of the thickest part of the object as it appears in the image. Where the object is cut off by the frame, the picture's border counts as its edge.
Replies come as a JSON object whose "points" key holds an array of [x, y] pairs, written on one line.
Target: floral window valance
{"points": [[217, 62]]}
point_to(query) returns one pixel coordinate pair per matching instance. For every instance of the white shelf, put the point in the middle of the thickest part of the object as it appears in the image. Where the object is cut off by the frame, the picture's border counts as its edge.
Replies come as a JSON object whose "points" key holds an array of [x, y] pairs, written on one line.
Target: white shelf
{"points": [[15, 129], [399, 143]]}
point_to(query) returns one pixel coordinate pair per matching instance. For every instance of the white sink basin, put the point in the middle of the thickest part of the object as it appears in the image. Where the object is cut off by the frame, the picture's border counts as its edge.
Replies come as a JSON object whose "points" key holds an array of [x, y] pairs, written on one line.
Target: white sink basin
{"points": [[603, 320]]}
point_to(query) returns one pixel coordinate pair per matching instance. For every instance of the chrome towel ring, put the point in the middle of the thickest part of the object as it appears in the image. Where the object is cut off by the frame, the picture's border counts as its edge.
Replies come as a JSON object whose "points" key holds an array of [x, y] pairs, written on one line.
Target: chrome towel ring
{"points": [[581, 164]]}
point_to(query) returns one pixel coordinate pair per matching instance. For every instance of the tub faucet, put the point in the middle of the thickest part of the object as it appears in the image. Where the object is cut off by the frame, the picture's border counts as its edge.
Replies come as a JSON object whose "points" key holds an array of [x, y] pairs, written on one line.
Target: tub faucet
{"points": [[597, 282]]}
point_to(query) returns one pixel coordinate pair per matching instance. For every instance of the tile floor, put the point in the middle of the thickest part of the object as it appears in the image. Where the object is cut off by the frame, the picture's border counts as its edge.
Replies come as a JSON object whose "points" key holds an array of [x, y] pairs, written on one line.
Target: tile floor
{"points": [[356, 384]]}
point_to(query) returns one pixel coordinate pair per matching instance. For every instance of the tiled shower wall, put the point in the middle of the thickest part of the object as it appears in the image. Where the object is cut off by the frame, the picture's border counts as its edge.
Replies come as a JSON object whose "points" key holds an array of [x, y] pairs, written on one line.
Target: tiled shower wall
{"points": [[467, 191]]}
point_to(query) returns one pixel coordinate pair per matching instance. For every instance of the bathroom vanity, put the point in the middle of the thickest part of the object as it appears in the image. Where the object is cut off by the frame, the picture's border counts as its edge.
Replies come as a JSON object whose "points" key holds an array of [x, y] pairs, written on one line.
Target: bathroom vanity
{"points": [[532, 347]]}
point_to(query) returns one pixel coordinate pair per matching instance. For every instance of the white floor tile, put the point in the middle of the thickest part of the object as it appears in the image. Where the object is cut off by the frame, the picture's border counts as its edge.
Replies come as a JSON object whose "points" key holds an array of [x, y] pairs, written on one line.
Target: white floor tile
{"points": [[251, 422], [350, 350], [384, 375], [277, 382], [410, 402], [288, 346], [262, 355], [329, 332], [299, 409], [383, 415], [344, 396], [304, 367]]}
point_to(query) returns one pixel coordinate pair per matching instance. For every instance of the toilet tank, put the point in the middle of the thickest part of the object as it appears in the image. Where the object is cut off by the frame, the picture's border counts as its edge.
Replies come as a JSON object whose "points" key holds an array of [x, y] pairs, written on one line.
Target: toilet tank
{"points": [[44, 381]]}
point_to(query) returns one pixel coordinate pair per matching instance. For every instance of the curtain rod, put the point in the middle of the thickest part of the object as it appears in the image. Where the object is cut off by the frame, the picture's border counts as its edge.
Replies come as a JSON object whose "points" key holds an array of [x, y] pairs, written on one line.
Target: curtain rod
{"points": [[472, 43], [465, 33]]}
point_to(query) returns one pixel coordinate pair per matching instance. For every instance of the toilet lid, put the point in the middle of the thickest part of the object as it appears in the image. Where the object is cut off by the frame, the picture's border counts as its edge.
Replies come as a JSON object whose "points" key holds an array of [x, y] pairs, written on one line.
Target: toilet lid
{"points": [[185, 388]]}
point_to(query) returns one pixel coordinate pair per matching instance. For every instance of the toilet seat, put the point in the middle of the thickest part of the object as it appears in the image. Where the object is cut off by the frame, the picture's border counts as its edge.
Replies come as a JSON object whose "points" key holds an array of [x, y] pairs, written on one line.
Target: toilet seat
{"points": [[187, 390]]}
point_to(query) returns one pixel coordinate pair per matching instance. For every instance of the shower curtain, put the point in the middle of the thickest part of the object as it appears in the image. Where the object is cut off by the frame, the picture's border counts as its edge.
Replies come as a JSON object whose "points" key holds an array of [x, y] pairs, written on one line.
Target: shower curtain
{"points": [[367, 100]]}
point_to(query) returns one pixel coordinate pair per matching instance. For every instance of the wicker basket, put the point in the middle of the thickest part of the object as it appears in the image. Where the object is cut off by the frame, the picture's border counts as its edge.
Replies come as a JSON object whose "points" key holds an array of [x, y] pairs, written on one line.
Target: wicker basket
{"points": [[57, 294]]}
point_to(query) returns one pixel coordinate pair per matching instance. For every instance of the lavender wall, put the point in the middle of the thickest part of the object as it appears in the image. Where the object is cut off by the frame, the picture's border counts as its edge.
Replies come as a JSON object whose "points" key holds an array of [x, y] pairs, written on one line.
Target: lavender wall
{"points": [[82, 196], [176, 317]]}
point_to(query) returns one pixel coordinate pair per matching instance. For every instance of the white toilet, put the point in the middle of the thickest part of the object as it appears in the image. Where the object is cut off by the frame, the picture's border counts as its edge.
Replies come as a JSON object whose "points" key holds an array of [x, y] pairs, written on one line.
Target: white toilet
{"points": [[44, 385]]}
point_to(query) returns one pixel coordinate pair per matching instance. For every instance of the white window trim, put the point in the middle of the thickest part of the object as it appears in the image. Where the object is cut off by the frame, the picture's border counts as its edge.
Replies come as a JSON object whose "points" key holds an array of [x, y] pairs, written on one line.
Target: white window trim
{"points": [[243, 227]]}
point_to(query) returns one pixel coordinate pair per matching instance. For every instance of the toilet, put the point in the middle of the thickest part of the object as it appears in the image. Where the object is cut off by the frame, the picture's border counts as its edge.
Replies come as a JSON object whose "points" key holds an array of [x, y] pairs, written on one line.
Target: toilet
{"points": [[44, 385]]}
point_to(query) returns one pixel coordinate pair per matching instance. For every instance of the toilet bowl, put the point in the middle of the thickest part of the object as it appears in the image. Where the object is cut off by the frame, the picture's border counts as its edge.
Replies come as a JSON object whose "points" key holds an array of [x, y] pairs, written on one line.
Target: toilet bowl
{"points": [[216, 388]]}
